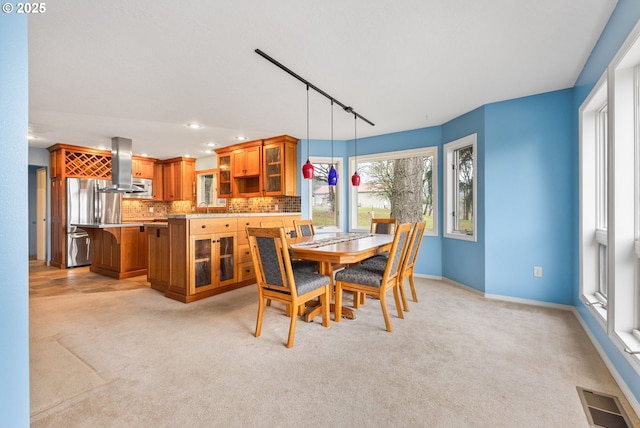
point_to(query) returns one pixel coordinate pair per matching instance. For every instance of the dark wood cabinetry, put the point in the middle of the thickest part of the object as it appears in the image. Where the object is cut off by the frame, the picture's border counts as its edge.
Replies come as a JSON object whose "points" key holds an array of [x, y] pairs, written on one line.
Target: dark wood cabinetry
{"points": [[119, 252], [158, 272]]}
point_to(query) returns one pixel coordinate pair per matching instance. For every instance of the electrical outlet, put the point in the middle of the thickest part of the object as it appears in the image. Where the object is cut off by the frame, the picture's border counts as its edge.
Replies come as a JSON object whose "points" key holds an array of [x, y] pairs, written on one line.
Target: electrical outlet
{"points": [[150, 209], [537, 271]]}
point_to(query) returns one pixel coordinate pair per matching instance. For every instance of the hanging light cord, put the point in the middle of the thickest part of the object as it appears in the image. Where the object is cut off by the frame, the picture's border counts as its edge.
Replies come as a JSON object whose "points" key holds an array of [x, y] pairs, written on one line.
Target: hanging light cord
{"points": [[332, 132], [355, 139], [308, 154]]}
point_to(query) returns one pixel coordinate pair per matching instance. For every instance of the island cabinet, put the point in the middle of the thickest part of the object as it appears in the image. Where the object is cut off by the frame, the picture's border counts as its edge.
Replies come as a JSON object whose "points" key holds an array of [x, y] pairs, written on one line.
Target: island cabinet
{"points": [[210, 255], [119, 251], [158, 262], [179, 177]]}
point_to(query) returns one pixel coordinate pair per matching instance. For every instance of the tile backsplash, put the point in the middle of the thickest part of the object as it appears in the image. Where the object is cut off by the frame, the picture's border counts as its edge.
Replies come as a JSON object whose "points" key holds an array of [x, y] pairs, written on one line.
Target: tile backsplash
{"points": [[135, 209]]}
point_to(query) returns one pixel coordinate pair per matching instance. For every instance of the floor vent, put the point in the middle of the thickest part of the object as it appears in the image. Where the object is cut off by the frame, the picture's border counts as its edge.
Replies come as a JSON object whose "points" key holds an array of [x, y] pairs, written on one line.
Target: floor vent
{"points": [[603, 410]]}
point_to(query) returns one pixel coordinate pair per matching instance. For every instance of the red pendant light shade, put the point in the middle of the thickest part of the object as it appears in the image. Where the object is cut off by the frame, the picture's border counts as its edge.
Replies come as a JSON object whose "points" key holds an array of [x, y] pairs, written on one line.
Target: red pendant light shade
{"points": [[355, 179], [307, 170]]}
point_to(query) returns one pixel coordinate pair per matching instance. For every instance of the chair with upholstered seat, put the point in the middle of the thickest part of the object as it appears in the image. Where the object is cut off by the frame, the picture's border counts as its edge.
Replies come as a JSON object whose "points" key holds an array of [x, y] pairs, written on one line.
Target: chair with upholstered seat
{"points": [[277, 280], [359, 278], [383, 225], [304, 227], [379, 263]]}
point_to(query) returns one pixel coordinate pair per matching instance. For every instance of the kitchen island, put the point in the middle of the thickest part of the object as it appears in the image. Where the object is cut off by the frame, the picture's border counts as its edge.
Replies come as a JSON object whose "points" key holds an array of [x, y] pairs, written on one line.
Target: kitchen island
{"points": [[206, 254], [119, 250]]}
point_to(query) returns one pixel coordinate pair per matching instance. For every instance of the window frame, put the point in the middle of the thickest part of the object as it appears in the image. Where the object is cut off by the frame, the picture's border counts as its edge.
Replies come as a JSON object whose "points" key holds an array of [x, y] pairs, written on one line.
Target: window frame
{"points": [[338, 164], [398, 154], [450, 187]]}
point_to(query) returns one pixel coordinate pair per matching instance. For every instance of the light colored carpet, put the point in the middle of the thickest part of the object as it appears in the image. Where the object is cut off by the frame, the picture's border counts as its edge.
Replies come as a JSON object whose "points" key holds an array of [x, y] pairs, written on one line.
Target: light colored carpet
{"points": [[137, 359]]}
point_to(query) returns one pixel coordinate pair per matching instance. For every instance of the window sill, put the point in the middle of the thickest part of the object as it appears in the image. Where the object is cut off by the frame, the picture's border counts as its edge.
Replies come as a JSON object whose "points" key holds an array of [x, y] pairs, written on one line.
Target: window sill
{"points": [[461, 236], [630, 347], [596, 308]]}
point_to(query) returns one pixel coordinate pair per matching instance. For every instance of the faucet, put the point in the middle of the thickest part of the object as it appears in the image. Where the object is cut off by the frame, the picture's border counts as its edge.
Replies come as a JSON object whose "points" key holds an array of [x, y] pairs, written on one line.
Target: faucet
{"points": [[205, 204]]}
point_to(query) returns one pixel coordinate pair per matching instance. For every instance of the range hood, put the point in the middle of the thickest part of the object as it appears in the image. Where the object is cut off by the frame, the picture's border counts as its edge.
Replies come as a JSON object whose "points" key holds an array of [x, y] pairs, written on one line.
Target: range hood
{"points": [[121, 168]]}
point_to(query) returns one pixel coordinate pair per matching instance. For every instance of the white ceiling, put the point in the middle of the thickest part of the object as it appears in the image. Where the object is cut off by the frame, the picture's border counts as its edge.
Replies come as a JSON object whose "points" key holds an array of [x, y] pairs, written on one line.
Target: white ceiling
{"points": [[143, 69]]}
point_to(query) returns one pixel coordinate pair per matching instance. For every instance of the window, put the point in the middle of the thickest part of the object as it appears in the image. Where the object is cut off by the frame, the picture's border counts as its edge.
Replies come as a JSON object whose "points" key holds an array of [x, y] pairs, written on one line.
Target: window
{"points": [[610, 200], [391, 181], [460, 188], [324, 200]]}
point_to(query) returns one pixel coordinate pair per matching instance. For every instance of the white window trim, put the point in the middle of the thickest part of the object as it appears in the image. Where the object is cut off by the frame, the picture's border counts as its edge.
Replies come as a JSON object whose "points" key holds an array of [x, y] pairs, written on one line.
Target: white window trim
{"points": [[449, 197], [409, 153], [337, 162], [590, 236]]}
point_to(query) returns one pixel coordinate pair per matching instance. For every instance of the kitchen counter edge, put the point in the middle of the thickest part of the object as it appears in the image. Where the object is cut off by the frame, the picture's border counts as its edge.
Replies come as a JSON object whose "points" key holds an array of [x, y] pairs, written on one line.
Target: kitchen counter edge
{"points": [[226, 215]]}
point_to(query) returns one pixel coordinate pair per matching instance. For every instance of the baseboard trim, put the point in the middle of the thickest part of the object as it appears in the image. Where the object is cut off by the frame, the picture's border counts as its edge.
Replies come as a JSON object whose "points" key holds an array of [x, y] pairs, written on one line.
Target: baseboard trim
{"points": [[607, 362], [425, 276], [529, 302]]}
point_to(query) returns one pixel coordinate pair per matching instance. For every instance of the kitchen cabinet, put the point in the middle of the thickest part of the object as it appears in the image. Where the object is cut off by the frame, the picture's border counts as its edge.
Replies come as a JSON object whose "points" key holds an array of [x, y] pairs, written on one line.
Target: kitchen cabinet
{"points": [[118, 252], [158, 182], [158, 273], [142, 167], [210, 255], [224, 174], [246, 161], [179, 179], [279, 168]]}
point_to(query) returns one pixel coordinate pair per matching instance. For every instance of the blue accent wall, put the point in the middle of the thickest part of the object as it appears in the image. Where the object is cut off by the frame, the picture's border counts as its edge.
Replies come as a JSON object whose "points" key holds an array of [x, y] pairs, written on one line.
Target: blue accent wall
{"points": [[464, 261], [14, 304], [528, 197]]}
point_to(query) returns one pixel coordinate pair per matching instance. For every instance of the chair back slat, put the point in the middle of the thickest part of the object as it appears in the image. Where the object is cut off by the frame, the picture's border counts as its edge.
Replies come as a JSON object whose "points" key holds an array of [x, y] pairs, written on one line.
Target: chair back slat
{"points": [[268, 247], [397, 251], [304, 227], [385, 226], [414, 245]]}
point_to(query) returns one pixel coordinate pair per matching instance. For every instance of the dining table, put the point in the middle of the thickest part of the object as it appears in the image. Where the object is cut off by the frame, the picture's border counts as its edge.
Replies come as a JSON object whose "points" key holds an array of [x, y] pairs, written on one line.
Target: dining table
{"points": [[336, 250]]}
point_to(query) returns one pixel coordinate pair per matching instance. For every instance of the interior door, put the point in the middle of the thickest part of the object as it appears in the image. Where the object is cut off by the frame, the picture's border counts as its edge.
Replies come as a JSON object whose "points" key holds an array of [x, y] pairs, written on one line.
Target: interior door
{"points": [[41, 213]]}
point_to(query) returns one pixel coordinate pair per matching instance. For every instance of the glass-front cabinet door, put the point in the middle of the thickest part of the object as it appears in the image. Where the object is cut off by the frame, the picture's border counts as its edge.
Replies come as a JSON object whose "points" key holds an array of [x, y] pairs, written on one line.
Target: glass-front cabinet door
{"points": [[224, 165], [213, 261], [273, 168]]}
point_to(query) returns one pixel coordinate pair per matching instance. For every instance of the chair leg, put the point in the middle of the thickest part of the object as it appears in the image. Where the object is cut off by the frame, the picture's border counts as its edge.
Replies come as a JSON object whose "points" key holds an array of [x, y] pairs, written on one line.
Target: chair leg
{"points": [[292, 331], [338, 305], [413, 288], [300, 310], [268, 302], [324, 301], [403, 295], [397, 299], [259, 321], [385, 312], [356, 299]]}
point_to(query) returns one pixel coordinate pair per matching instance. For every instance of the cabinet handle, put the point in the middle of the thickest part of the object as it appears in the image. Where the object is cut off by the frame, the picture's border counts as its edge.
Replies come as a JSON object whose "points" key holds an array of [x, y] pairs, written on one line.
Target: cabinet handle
{"points": [[226, 225], [204, 226]]}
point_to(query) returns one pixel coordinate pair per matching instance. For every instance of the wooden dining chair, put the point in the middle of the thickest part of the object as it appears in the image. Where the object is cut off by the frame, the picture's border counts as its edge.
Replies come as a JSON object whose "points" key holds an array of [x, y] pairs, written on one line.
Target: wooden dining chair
{"points": [[304, 227], [277, 280], [374, 283], [383, 225], [379, 263]]}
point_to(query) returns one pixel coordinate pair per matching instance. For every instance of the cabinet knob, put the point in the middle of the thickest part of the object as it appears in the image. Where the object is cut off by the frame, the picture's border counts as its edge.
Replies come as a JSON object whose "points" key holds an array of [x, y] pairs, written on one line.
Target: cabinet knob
{"points": [[204, 226], [226, 225]]}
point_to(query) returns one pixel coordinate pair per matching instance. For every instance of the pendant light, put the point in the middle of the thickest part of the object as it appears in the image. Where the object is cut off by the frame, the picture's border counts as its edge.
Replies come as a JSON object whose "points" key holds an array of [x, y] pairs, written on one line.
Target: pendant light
{"points": [[355, 178], [332, 178], [307, 168]]}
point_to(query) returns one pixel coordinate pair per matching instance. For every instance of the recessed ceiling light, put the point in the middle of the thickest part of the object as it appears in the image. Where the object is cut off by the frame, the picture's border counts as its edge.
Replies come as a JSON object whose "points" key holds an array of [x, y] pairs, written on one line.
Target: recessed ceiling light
{"points": [[144, 154], [102, 148], [187, 155], [241, 138], [208, 151], [194, 125], [32, 137], [211, 144]]}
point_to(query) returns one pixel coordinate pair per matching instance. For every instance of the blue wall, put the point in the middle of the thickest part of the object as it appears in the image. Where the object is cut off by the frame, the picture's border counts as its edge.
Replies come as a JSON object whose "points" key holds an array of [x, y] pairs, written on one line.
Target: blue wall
{"points": [[14, 305], [528, 195]]}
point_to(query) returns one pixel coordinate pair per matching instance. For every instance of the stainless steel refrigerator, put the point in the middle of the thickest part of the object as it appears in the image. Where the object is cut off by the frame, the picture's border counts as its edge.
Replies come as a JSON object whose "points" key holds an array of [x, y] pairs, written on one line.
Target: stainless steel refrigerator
{"points": [[86, 206]]}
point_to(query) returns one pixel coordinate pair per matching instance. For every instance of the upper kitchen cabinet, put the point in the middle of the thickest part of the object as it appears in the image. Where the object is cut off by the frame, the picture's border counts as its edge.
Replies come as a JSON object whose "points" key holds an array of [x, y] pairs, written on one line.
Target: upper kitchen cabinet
{"points": [[246, 160], [179, 179], [142, 167], [279, 168], [158, 182], [224, 174]]}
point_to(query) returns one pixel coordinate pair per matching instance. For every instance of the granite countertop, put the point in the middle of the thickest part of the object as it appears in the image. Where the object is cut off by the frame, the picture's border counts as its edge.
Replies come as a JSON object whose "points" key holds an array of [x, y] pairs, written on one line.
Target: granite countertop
{"points": [[226, 215]]}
